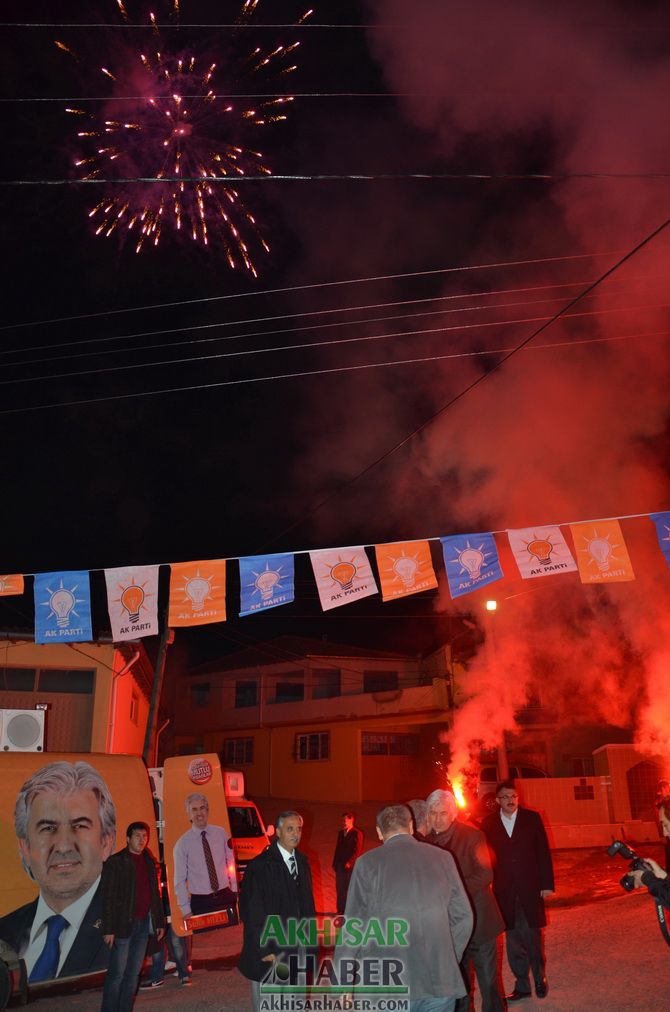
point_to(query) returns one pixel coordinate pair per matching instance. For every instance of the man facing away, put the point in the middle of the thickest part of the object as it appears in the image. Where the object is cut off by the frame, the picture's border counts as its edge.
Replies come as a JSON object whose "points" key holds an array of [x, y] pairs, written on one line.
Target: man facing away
{"points": [[418, 888], [131, 911], [277, 882], [65, 824], [347, 849], [523, 877], [468, 847], [204, 865]]}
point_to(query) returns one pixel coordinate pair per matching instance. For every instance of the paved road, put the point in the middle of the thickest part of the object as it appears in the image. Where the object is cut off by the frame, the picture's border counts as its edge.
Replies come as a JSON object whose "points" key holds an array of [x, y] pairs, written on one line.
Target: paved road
{"points": [[606, 956]]}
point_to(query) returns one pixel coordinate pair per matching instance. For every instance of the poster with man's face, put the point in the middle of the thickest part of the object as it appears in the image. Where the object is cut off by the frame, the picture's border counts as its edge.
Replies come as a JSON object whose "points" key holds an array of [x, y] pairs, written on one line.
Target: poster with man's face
{"points": [[202, 880], [61, 816]]}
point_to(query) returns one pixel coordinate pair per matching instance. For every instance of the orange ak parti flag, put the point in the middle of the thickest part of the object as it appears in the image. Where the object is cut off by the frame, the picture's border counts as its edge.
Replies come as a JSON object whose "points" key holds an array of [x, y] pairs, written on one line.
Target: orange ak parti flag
{"points": [[197, 593], [11, 584], [405, 568], [601, 552]]}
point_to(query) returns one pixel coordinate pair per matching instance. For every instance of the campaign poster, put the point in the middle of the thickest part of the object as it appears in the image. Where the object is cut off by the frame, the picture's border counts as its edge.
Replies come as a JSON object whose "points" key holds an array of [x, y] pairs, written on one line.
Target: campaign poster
{"points": [[201, 873]]}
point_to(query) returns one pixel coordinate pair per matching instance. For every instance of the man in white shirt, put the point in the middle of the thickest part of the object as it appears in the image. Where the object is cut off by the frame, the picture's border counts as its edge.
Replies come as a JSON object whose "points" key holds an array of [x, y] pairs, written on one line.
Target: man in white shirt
{"points": [[204, 863], [65, 824]]}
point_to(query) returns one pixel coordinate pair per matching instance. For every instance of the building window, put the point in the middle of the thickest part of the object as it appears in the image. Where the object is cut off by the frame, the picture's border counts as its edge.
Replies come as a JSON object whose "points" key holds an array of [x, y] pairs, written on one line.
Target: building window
{"points": [[17, 679], [389, 744], [246, 694], [312, 747], [584, 792], [289, 692], [200, 694], [326, 683], [380, 681], [55, 680], [135, 707], [238, 751]]}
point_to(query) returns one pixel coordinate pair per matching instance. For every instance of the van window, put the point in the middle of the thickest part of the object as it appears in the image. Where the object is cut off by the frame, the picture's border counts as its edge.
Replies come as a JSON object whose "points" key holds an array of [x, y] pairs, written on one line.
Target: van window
{"points": [[244, 822]]}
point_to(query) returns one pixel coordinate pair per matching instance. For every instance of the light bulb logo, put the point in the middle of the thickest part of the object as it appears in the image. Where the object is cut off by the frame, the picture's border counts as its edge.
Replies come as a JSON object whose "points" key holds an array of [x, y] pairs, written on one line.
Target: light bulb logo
{"points": [[62, 603], [266, 582], [344, 573], [472, 560], [406, 569], [541, 549], [198, 589], [132, 599], [600, 549]]}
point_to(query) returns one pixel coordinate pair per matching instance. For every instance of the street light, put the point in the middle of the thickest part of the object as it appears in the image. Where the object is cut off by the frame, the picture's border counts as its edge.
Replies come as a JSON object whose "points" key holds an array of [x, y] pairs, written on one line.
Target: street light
{"points": [[492, 661]]}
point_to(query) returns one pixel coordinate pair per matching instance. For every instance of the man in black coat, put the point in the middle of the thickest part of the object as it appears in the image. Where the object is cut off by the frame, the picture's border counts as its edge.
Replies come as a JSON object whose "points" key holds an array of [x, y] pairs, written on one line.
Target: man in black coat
{"points": [[278, 882], [468, 847], [132, 909], [349, 846], [523, 876]]}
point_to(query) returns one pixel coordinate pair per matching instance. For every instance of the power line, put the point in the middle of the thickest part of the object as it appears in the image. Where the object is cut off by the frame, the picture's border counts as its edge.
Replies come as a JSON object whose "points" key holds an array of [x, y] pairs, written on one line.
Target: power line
{"points": [[294, 330], [323, 372], [335, 342], [330, 177], [260, 333], [226, 95], [312, 287], [475, 382]]}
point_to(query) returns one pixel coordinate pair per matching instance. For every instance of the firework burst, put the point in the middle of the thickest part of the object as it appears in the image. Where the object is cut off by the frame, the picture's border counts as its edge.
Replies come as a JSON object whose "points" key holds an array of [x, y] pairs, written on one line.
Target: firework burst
{"points": [[171, 147]]}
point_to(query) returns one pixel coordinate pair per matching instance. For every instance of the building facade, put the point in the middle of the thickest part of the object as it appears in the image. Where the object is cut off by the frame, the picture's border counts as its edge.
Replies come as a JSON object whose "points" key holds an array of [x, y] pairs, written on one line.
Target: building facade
{"points": [[316, 720], [96, 695]]}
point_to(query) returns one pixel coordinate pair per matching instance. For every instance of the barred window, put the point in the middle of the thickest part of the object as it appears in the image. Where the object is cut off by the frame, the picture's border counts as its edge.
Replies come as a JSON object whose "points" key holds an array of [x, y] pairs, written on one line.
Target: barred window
{"points": [[312, 747], [238, 751]]}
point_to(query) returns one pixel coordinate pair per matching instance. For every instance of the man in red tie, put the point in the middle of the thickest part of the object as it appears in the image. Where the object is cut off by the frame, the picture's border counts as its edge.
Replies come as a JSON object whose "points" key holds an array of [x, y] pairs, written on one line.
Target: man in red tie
{"points": [[204, 863]]}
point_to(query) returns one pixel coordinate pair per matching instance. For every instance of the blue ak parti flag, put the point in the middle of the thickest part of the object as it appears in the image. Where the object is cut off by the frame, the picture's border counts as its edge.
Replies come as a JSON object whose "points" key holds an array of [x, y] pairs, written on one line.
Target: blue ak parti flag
{"points": [[265, 582], [662, 522], [471, 561], [63, 607]]}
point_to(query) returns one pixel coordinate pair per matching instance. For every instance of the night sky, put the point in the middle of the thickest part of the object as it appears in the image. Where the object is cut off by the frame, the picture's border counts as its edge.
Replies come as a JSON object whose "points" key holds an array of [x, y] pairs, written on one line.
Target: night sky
{"points": [[558, 434]]}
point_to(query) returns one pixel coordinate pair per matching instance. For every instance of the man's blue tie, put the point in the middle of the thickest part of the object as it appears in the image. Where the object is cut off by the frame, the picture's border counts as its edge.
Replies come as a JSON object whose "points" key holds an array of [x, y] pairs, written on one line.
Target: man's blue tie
{"points": [[46, 966]]}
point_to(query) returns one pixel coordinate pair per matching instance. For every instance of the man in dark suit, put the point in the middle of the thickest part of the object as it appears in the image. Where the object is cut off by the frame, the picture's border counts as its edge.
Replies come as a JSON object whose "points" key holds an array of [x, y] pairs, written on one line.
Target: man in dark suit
{"points": [[523, 876], [277, 882], [468, 847], [65, 824], [348, 847]]}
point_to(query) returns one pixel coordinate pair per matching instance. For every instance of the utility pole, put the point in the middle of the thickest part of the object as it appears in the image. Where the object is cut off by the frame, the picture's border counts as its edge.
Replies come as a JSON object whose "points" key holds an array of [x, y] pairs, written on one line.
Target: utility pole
{"points": [[166, 637], [492, 663]]}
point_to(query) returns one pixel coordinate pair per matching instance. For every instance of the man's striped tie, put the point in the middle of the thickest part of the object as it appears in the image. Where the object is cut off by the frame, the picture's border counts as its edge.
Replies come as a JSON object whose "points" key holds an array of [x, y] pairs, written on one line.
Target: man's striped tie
{"points": [[293, 868]]}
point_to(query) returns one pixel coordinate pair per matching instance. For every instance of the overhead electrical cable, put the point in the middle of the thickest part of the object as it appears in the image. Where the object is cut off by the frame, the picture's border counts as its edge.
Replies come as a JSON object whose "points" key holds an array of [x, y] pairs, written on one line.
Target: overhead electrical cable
{"points": [[312, 287], [342, 486], [335, 342], [197, 341], [315, 372]]}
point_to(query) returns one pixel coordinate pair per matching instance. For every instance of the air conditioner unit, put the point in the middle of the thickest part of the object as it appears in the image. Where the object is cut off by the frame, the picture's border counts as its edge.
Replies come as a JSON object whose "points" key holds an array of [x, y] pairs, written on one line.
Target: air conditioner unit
{"points": [[22, 730]]}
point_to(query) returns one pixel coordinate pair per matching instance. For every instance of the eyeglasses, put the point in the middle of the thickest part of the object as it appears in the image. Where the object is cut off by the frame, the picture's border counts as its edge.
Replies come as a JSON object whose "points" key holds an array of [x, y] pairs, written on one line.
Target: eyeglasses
{"points": [[507, 797]]}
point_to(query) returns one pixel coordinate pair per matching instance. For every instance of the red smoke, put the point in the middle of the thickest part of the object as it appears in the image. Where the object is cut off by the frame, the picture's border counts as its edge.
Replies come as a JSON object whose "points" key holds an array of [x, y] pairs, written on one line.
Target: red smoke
{"points": [[558, 434]]}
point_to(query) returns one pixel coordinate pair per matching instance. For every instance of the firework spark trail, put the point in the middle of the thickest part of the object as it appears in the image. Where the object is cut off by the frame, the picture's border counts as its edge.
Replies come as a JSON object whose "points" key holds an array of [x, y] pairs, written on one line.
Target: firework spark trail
{"points": [[179, 128]]}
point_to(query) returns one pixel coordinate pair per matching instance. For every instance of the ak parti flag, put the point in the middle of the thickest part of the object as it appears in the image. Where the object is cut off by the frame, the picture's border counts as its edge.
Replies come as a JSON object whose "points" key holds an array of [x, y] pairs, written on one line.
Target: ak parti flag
{"points": [[342, 575], [602, 555], [662, 523], [405, 568], [197, 593], [132, 601], [11, 584], [540, 551]]}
